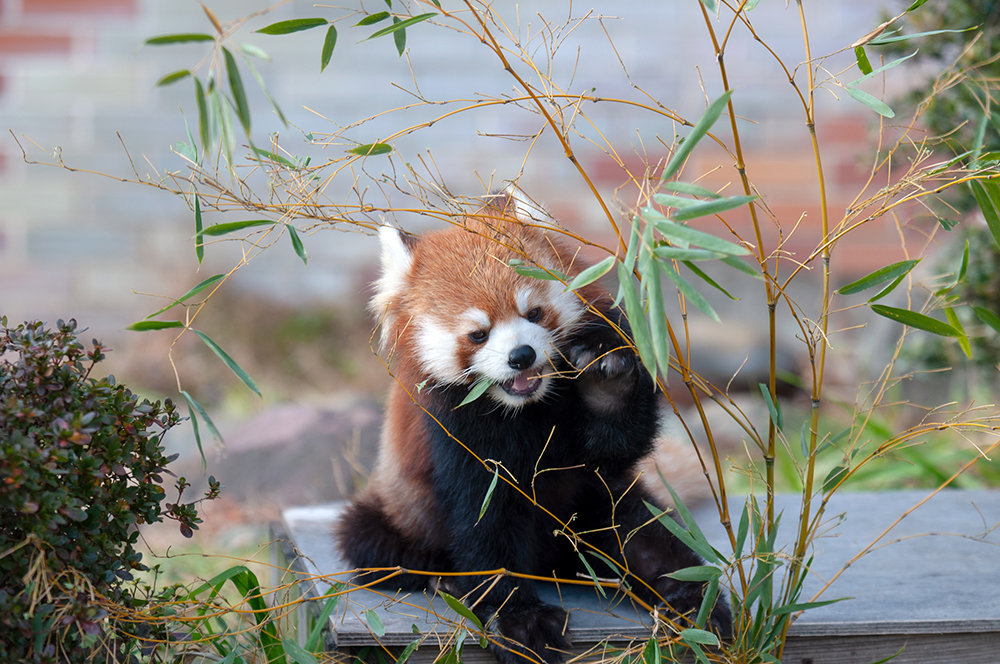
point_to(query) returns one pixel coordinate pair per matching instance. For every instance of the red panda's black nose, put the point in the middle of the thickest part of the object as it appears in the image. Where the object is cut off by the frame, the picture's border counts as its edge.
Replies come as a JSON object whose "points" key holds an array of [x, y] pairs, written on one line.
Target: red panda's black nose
{"points": [[521, 358]]}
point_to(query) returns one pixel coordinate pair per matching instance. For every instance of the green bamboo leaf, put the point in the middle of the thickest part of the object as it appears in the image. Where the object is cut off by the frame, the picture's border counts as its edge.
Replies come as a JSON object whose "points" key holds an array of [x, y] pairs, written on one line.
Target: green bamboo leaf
{"points": [[688, 188], [706, 208], [697, 573], [204, 128], [408, 650], [710, 6], [707, 602], [372, 19], [743, 266], [699, 636], [477, 391], [805, 606], [871, 102], [697, 535], [187, 151], [833, 478], [591, 274], [743, 529], [651, 654], [236, 87], [863, 63], [888, 289], [593, 576], [371, 149], [988, 317], [207, 283], [692, 295], [915, 5], [322, 621], [963, 340], [165, 40], [917, 320], [678, 254], [229, 362], [697, 133], [173, 78], [462, 610], [398, 37], [232, 226], [987, 195], [882, 41], [263, 88], [196, 407], [657, 317], [298, 654], [255, 52], [706, 241], [293, 25], [489, 492], [147, 325], [199, 247], [328, 45], [881, 69], [276, 158], [680, 202], [297, 245], [630, 255], [374, 623], [880, 276], [637, 320], [526, 270], [773, 407]]}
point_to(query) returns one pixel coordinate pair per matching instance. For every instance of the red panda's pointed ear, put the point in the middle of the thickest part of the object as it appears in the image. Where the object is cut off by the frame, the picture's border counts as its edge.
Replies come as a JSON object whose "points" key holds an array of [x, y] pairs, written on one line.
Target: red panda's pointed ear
{"points": [[514, 203], [397, 258]]}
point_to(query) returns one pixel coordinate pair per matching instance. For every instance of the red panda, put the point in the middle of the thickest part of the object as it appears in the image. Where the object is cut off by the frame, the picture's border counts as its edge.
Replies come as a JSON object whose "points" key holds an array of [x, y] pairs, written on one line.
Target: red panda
{"points": [[569, 414]]}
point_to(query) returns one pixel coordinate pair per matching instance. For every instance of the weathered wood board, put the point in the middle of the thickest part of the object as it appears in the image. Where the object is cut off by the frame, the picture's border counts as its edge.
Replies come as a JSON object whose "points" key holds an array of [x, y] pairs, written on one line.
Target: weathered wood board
{"points": [[932, 584]]}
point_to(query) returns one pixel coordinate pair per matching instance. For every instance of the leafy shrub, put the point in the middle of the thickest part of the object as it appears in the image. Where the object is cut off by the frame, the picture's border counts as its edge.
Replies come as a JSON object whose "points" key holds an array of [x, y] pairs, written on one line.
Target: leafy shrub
{"points": [[82, 461]]}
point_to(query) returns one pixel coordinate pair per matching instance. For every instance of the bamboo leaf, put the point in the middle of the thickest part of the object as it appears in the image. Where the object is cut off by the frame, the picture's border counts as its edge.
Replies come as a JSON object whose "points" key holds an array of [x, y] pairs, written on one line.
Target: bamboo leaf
{"points": [[692, 295], [199, 247], [277, 158], [773, 407], [987, 195], [963, 339], [651, 654], [374, 623], [536, 272], [489, 492], [399, 38], [678, 254], [196, 407], [173, 78], [462, 610], [707, 602], [270, 99], [229, 362], [329, 42], [591, 274], [207, 283], [917, 320], [706, 208], [477, 391], [293, 25], [165, 40], [880, 276], [593, 576], [637, 320], [833, 478], [657, 317], [697, 133], [669, 200], [863, 63], [882, 41], [699, 636], [147, 325], [871, 102], [743, 266], [704, 240], [805, 606], [888, 289], [322, 621], [630, 255], [297, 245], [236, 87], [988, 317], [710, 6], [743, 529], [298, 654], [371, 149], [882, 69], [223, 229], [372, 19], [688, 188], [408, 650], [697, 573], [204, 128], [255, 52]]}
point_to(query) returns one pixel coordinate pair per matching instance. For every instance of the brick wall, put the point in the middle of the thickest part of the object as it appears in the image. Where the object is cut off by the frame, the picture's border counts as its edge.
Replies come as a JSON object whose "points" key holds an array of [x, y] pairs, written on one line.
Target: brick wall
{"points": [[72, 74]]}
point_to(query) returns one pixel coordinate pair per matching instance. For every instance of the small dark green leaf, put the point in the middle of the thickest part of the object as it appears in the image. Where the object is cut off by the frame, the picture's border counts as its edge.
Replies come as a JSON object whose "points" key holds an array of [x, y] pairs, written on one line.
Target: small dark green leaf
{"points": [[706, 208], [173, 78], [398, 37], [651, 654], [917, 320], [199, 247], [871, 102], [880, 276], [328, 45], [988, 317], [593, 576], [229, 362], [297, 245], [963, 339], [987, 195], [536, 272], [477, 391], [805, 606], [293, 25], [462, 610], [697, 133], [178, 39], [223, 229], [591, 274], [371, 149], [773, 407], [236, 87], [833, 478], [374, 623], [322, 621], [204, 128], [408, 650], [743, 529], [707, 602], [147, 325], [196, 407], [888, 289], [372, 19], [489, 492], [207, 283], [277, 158], [863, 64]]}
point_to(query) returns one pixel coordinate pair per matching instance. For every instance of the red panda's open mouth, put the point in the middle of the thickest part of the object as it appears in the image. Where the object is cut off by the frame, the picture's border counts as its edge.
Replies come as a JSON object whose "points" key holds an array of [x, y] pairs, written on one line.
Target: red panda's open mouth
{"points": [[523, 384]]}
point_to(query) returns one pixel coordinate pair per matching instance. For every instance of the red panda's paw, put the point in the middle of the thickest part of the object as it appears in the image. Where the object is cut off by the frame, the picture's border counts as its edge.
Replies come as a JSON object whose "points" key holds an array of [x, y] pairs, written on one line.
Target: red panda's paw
{"points": [[609, 370], [535, 632]]}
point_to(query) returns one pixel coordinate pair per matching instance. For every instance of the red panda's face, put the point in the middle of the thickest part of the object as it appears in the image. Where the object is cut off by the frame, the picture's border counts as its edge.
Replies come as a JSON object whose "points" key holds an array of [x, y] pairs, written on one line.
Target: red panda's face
{"points": [[452, 302]]}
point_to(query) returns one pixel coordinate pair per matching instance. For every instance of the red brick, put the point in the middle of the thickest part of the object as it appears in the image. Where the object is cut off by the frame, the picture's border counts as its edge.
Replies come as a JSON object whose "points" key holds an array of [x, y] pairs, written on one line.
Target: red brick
{"points": [[78, 6], [23, 41]]}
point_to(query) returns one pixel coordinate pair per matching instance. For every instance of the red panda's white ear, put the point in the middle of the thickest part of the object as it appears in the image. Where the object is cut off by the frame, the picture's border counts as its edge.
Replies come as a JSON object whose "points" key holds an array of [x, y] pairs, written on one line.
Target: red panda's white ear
{"points": [[523, 208], [396, 261]]}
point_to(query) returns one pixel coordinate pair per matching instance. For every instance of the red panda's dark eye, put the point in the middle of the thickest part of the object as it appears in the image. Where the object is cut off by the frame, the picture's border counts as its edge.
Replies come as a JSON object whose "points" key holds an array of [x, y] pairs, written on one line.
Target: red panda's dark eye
{"points": [[534, 315], [479, 336]]}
